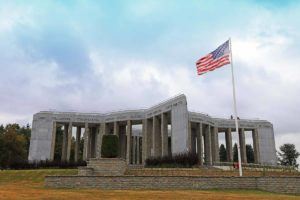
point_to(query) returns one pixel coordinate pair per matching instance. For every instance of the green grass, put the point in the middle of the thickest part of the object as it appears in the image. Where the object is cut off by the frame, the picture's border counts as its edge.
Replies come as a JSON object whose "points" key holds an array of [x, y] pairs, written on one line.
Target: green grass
{"points": [[29, 185], [35, 176]]}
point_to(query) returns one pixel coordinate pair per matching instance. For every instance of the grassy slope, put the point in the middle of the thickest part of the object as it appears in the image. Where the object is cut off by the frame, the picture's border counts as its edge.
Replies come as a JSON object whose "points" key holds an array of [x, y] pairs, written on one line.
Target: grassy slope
{"points": [[28, 184]]}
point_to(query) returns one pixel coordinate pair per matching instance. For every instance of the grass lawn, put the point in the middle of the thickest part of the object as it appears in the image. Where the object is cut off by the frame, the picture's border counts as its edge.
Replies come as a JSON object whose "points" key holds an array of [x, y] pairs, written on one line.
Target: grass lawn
{"points": [[29, 184]]}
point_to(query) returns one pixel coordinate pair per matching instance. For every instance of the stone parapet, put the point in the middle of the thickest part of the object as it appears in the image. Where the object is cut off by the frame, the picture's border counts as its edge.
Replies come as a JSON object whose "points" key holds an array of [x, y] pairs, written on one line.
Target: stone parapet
{"points": [[288, 185]]}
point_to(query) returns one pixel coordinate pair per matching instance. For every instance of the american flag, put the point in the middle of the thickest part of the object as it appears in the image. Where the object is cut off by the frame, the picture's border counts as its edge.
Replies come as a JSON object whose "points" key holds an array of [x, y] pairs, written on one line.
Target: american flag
{"points": [[214, 60]]}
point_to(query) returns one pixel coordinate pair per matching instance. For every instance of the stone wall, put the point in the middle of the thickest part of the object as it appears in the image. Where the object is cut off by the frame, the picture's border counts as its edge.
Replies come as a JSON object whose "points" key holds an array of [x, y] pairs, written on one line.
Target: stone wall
{"points": [[279, 184], [289, 185]]}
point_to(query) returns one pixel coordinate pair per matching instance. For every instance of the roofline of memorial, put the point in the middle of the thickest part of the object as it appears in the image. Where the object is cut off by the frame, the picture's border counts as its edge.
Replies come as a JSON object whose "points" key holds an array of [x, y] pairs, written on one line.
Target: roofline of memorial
{"points": [[145, 110]]}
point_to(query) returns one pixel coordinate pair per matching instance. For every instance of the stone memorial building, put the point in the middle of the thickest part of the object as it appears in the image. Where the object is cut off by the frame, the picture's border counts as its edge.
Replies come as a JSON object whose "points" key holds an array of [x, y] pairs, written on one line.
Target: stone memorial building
{"points": [[166, 128]]}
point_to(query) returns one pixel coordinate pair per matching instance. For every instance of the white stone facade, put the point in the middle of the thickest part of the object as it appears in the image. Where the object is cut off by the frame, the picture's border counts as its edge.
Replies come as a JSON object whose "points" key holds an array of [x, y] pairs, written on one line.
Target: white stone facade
{"points": [[166, 128]]}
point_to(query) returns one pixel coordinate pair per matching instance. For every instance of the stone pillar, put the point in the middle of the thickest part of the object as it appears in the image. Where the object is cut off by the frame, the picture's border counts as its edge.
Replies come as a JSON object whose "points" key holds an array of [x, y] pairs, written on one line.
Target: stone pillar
{"points": [[128, 135], [144, 141], [77, 142], [105, 127], [116, 128], [228, 138], [97, 139], [255, 146], [193, 140], [102, 131], [150, 150], [123, 141], [189, 139], [64, 143], [69, 143], [138, 150], [242, 145], [53, 141], [134, 145], [199, 133], [156, 137], [85, 141], [164, 134], [215, 145], [93, 142], [208, 156], [89, 146]]}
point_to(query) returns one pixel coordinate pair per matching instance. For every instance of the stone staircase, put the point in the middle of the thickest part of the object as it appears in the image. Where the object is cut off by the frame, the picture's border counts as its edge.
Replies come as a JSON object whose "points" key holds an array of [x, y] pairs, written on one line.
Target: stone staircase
{"points": [[104, 167]]}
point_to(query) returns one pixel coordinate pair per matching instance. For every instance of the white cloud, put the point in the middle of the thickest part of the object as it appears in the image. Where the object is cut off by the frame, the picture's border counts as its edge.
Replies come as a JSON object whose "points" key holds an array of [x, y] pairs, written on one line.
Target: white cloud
{"points": [[265, 58], [12, 15]]}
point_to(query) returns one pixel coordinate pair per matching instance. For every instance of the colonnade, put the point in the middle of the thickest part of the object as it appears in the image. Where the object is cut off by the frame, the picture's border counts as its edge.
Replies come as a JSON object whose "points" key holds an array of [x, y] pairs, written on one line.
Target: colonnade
{"points": [[205, 142], [134, 148], [154, 141]]}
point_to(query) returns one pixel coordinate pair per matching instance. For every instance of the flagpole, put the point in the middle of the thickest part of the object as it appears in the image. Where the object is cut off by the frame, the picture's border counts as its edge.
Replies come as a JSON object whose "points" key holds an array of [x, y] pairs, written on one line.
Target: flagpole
{"points": [[235, 111]]}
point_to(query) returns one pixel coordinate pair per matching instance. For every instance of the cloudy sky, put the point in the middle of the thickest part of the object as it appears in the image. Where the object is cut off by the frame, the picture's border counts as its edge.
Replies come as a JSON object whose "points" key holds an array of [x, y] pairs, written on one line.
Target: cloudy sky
{"points": [[109, 55]]}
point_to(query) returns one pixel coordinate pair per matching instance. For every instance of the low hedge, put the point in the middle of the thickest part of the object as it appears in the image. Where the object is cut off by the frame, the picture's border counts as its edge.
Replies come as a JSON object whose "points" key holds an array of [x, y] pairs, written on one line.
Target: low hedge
{"points": [[185, 159]]}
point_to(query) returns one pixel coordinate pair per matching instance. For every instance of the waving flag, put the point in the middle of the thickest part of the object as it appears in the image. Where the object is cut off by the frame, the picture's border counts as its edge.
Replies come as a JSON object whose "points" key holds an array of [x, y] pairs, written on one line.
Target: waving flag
{"points": [[214, 60]]}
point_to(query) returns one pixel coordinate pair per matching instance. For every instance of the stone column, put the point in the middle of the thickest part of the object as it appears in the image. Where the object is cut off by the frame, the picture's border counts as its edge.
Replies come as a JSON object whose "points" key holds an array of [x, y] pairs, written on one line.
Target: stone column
{"points": [[134, 150], [242, 145], [189, 139], [89, 139], [53, 141], [116, 128], [97, 140], [164, 134], [199, 142], [102, 132], [255, 146], [69, 143], [77, 142], [156, 137], [138, 151], [129, 135], [150, 150], [123, 141], [85, 141], [208, 156], [228, 138], [105, 128], [64, 143], [215, 145], [144, 141], [93, 142], [193, 140]]}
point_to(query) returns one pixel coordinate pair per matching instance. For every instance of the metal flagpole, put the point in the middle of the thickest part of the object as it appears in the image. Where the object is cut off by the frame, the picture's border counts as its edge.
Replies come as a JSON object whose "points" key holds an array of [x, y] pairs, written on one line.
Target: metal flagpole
{"points": [[235, 112]]}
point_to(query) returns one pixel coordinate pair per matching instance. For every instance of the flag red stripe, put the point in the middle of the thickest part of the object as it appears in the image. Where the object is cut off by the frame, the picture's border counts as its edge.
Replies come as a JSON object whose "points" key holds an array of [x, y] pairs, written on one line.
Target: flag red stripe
{"points": [[204, 59], [214, 67], [206, 62], [216, 59], [220, 62], [214, 63]]}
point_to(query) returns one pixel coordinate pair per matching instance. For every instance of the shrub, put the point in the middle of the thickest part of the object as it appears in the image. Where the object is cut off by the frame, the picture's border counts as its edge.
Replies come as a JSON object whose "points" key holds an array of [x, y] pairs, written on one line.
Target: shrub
{"points": [[110, 146], [185, 159]]}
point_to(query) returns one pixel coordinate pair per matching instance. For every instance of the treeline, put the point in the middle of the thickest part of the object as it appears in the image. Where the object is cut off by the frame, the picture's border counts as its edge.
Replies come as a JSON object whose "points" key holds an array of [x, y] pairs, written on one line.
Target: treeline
{"points": [[14, 149], [286, 156], [58, 146], [14, 144], [249, 153]]}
